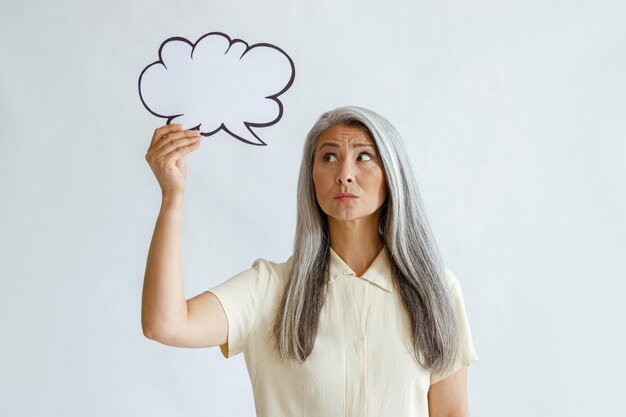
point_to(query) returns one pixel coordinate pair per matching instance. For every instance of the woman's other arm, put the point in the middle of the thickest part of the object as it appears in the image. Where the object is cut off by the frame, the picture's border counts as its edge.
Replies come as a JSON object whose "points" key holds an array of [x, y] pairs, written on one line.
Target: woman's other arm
{"points": [[165, 314], [448, 397]]}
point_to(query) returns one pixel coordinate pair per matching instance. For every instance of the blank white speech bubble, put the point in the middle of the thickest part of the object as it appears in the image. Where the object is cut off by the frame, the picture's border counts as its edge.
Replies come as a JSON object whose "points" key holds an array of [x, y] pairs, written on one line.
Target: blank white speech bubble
{"points": [[217, 83]]}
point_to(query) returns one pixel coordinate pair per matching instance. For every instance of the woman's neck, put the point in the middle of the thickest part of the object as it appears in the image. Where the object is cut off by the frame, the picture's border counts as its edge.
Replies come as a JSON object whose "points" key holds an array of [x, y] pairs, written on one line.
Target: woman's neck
{"points": [[357, 242]]}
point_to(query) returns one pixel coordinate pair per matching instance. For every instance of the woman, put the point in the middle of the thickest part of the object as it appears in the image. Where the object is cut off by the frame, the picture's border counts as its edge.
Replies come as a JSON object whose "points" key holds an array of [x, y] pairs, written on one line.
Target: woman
{"points": [[362, 320]]}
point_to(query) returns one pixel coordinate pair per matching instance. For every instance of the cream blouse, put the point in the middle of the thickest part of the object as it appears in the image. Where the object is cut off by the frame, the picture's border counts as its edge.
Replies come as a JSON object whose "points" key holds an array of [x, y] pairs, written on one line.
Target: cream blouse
{"points": [[362, 363]]}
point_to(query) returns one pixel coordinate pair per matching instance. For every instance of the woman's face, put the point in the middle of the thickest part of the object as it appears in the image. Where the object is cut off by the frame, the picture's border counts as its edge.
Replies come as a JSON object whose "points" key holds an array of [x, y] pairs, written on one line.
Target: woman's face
{"points": [[346, 162]]}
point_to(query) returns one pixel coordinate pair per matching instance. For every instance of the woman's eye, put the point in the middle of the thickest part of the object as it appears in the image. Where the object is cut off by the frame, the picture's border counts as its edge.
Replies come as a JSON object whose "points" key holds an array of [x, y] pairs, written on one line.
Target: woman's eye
{"points": [[327, 157], [368, 157]]}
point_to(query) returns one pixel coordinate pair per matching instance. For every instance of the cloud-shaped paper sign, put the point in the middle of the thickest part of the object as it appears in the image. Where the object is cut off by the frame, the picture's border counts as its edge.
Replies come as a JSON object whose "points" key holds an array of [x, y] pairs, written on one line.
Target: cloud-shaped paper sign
{"points": [[217, 83]]}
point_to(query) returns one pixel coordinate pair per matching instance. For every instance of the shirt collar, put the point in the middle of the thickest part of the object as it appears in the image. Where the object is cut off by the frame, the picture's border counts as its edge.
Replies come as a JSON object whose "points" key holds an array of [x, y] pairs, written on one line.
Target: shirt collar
{"points": [[378, 273]]}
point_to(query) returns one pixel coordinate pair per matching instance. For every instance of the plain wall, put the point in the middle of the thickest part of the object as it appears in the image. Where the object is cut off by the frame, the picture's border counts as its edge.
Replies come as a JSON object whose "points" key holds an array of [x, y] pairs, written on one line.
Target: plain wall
{"points": [[512, 111]]}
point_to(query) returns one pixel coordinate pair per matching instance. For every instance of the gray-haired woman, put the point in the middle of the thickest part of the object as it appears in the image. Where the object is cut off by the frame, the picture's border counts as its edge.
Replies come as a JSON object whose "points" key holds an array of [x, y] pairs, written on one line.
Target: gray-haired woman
{"points": [[363, 320]]}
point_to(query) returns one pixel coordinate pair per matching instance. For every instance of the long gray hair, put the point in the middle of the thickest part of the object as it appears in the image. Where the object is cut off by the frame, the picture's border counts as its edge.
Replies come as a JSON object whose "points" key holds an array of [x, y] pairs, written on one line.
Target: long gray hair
{"points": [[404, 230]]}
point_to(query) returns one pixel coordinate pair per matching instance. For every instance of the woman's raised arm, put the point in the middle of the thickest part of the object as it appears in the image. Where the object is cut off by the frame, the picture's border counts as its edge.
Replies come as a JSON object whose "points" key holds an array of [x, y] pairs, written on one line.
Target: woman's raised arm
{"points": [[165, 314]]}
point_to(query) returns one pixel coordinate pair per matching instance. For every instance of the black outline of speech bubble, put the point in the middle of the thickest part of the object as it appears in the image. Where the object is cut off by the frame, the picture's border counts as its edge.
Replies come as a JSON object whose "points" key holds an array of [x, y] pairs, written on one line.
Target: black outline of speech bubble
{"points": [[248, 48]]}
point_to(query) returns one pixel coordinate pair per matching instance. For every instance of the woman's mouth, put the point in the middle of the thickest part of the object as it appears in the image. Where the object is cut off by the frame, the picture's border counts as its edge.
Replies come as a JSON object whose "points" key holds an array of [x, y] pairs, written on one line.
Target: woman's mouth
{"points": [[345, 197]]}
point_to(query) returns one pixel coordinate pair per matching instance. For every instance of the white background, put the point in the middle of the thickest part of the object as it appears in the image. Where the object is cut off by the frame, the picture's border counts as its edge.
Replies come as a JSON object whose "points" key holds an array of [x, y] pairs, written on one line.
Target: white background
{"points": [[513, 113]]}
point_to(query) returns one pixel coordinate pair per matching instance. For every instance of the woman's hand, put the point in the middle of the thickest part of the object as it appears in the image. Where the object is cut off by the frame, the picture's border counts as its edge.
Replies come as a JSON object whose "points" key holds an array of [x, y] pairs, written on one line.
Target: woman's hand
{"points": [[166, 155]]}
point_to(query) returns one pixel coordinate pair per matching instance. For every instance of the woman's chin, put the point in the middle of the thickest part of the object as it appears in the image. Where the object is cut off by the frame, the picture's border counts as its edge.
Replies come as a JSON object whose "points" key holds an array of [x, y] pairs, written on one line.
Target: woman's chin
{"points": [[348, 216]]}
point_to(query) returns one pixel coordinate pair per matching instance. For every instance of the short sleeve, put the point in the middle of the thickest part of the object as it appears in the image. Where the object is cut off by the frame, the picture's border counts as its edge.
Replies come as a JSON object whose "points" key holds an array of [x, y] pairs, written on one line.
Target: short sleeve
{"points": [[240, 297], [466, 353]]}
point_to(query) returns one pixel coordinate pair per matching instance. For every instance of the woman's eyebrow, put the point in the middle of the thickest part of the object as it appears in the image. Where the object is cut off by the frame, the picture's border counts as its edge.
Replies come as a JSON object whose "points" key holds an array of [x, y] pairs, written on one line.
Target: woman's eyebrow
{"points": [[356, 145]]}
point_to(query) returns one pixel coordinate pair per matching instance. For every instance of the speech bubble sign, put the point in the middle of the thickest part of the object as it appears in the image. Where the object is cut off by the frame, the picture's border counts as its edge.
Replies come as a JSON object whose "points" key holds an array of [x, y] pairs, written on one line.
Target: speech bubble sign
{"points": [[217, 83]]}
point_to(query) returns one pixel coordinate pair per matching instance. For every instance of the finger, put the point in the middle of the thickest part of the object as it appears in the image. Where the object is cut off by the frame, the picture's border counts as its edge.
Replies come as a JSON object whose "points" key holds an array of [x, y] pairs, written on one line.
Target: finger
{"points": [[178, 153], [176, 144], [171, 140], [164, 130]]}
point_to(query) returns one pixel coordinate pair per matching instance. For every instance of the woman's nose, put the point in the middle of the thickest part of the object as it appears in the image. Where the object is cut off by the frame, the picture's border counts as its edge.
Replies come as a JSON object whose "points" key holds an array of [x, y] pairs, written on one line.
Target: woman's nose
{"points": [[345, 176]]}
